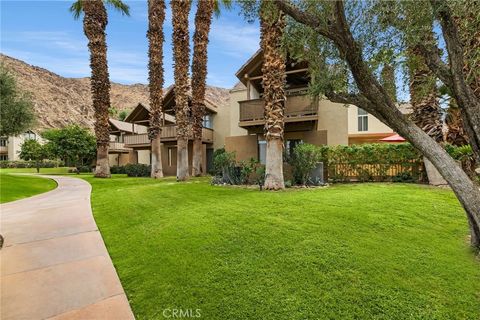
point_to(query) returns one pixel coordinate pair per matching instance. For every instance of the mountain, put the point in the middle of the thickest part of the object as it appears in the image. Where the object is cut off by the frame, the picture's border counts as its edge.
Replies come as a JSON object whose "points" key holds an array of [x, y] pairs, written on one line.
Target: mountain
{"points": [[62, 101]]}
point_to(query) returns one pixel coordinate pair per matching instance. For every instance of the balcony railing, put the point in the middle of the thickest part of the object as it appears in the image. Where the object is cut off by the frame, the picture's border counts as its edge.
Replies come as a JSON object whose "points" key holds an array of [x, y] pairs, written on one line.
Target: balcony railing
{"points": [[118, 146], [3, 149], [297, 107], [169, 133]]}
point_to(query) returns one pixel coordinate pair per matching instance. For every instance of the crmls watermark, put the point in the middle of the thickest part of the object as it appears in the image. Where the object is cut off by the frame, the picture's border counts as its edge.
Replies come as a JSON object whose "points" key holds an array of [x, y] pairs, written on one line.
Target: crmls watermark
{"points": [[178, 313]]}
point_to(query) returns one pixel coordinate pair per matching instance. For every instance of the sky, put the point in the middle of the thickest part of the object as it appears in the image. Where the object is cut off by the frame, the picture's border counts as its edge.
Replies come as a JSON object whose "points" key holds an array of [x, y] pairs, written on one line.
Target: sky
{"points": [[45, 34]]}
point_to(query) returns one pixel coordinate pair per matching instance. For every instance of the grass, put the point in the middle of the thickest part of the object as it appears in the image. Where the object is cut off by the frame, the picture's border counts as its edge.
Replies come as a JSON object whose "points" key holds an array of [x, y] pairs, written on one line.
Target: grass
{"points": [[14, 187], [356, 251]]}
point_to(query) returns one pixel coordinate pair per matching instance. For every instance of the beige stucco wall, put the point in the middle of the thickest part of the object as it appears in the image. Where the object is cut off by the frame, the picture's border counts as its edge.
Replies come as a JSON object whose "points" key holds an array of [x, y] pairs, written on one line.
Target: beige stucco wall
{"points": [[143, 156], [333, 117], [235, 96], [245, 147], [374, 125], [14, 145], [116, 159]]}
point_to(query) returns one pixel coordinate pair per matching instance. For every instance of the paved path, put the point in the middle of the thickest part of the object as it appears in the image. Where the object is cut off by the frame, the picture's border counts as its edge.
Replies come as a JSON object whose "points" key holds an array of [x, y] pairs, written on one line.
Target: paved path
{"points": [[54, 264]]}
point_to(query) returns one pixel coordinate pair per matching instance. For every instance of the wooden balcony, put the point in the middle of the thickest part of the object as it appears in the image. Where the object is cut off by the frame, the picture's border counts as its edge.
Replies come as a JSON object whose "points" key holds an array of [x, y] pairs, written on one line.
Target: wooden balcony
{"points": [[169, 133], [298, 108], [3, 149], [118, 147]]}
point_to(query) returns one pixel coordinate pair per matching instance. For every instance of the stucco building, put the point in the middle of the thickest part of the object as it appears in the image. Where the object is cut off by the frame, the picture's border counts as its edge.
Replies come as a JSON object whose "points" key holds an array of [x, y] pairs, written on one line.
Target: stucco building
{"points": [[234, 119], [10, 146]]}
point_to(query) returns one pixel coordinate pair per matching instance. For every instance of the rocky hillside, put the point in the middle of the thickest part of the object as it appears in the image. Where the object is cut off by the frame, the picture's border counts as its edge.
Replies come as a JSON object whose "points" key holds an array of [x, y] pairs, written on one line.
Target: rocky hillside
{"points": [[62, 101]]}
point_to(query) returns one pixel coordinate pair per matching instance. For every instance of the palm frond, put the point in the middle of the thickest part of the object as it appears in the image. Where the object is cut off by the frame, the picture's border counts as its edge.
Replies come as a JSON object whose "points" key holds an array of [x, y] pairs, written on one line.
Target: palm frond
{"points": [[120, 6], [227, 4], [76, 8]]}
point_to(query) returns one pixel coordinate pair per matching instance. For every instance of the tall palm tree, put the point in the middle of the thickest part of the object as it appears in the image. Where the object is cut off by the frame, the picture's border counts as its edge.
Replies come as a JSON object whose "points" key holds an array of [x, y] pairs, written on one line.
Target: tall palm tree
{"points": [[95, 21], [426, 111], [203, 20], [181, 57], [272, 24], [156, 17]]}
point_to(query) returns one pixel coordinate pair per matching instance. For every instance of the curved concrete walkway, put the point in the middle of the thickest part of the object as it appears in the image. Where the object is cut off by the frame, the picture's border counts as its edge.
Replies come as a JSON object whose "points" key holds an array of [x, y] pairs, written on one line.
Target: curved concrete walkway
{"points": [[54, 264]]}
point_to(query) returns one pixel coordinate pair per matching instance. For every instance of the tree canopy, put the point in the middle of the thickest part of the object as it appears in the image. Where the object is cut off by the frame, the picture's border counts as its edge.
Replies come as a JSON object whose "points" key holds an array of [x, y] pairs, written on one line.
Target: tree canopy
{"points": [[16, 113], [72, 144]]}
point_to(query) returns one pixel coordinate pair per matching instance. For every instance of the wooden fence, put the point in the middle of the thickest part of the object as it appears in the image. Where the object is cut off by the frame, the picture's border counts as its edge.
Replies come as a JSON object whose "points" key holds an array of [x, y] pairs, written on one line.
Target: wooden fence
{"points": [[346, 172]]}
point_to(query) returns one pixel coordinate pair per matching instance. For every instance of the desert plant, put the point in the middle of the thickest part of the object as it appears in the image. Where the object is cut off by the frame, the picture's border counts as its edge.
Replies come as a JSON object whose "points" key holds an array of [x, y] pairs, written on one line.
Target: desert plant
{"points": [[304, 159]]}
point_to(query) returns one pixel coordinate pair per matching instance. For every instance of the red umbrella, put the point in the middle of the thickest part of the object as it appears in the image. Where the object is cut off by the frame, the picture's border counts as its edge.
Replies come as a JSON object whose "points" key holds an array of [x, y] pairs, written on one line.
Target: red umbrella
{"points": [[393, 138]]}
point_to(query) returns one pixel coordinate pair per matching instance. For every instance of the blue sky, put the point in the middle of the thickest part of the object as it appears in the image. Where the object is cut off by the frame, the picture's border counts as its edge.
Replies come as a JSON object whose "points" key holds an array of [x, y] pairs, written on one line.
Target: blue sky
{"points": [[44, 33]]}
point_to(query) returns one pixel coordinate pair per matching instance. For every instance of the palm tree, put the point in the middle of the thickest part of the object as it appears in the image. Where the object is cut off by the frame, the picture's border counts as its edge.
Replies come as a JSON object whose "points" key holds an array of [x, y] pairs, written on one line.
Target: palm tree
{"points": [[181, 57], [272, 24], [426, 111], [388, 80], [156, 17], [94, 23], [203, 20]]}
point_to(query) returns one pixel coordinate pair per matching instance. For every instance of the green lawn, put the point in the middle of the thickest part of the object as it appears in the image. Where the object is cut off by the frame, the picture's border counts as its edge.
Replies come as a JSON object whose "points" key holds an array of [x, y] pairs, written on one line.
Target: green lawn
{"points": [[13, 187], [357, 251]]}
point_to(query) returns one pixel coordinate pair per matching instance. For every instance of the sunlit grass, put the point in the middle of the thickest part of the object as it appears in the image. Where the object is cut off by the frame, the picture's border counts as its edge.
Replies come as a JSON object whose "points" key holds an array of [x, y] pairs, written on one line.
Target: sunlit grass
{"points": [[358, 251]]}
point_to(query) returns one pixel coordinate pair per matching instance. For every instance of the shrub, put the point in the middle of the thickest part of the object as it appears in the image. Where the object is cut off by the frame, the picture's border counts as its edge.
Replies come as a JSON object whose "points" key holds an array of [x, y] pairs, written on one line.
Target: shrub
{"points": [[373, 162], [247, 168], [224, 166], [30, 164], [137, 170], [117, 170], [464, 155], [85, 169], [304, 159], [403, 177]]}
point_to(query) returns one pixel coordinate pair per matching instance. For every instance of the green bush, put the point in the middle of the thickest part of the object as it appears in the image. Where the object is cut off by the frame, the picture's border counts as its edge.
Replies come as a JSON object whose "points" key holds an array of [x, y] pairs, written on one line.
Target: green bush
{"points": [[85, 169], [31, 164], [137, 170], [304, 159], [117, 170], [372, 162], [225, 167]]}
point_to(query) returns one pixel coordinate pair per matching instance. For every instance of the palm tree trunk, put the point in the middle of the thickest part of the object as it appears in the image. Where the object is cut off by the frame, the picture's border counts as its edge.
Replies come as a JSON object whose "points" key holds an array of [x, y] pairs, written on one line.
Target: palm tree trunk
{"points": [[94, 24], [272, 23], [156, 17], [181, 56], [203, 19]]}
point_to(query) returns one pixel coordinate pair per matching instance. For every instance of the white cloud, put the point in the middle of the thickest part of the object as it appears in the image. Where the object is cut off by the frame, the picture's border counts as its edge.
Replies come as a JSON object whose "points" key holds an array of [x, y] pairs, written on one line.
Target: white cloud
{"points": [[238, 41]]}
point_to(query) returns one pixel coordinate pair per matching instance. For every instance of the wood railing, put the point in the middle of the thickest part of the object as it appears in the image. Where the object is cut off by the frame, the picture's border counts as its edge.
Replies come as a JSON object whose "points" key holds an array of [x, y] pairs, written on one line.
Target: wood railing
{"points": [[168, 133], [118, 146], [296, 106], [135, 139], [3, 149]]}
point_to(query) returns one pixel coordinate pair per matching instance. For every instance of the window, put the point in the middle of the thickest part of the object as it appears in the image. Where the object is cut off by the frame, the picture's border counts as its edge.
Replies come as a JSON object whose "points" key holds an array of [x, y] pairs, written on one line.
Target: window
{"points": [[362, 120], [3, 142], [262, 151], [207, 121], [30, 135], [3, 157]]}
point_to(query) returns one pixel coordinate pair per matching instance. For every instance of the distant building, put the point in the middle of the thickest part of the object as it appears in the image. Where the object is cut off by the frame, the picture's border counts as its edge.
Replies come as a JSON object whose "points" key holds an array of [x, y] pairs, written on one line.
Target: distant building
{"points": [[10, 146]]}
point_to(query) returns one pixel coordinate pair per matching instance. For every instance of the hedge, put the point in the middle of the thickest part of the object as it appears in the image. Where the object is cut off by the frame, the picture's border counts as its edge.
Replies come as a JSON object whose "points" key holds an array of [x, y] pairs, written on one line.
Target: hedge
{"points": [[374, 162], [31, 164]]}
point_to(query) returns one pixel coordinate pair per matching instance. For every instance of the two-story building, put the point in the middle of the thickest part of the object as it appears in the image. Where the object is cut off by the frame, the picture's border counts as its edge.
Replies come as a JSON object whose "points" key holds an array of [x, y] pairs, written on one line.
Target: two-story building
{"points": [[10, 146], [235, 120], [307, 119], [129, 138]]}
